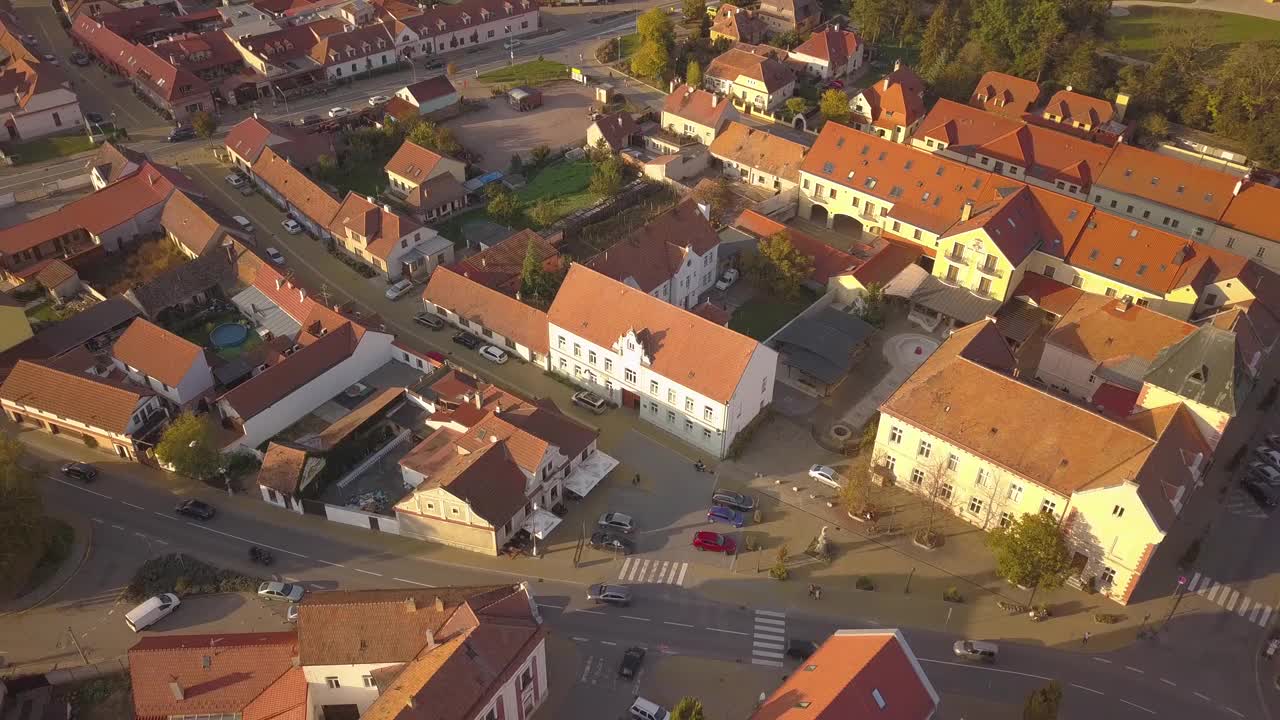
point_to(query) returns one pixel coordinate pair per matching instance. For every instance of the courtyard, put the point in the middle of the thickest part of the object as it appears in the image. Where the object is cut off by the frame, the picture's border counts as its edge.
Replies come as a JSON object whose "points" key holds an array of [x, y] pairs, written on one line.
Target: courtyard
{"points": [[497, 132]]}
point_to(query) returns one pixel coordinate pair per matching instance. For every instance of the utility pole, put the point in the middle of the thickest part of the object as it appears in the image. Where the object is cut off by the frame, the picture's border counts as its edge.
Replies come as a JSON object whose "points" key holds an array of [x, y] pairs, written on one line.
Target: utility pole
{"points": [[83, 658]]}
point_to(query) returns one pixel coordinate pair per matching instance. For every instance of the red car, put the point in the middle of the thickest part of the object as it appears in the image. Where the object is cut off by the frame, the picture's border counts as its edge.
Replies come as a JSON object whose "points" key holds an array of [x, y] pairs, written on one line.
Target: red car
{"points": [[836, 84], [715, 542], [433, 355]]}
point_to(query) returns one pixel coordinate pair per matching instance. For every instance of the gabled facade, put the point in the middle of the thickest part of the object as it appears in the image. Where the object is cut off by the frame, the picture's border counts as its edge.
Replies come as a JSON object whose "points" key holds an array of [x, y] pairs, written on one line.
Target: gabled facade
{"points": [[781, 16], [446, 27], [758, 157], [697, 380], [1004, 94], [388, 240], [891, 108], [35, 97], [737, 24], [430, 95], [674, 257], [155, 358], [751, 75], [1248, 227], [830, 54], [696, 113], [499, 319]]}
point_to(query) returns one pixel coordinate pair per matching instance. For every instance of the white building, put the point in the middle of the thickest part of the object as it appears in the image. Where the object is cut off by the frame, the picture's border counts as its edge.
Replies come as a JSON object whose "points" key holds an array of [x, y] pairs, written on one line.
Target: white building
{"points": [[697, 380], [673, 257], [157, 359], [498, 319]]}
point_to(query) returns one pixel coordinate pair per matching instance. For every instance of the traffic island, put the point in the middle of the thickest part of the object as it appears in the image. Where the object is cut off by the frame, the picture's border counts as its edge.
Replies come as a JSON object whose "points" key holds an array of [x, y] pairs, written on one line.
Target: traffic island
{"points": [[65, 551], [185, 576]]}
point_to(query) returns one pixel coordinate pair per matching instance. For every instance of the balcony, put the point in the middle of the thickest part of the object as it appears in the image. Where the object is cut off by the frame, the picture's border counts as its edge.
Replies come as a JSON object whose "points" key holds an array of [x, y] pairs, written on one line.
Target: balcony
{"points": [[991, 270], [955, 259]]}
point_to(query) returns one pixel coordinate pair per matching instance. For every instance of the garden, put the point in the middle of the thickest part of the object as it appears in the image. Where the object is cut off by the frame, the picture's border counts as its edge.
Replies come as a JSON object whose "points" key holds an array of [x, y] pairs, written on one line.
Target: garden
{"points": [[554, 190], [35, 151], [763, 315], [183, 575], [528, 74], [1140, 33], [137, 265], [197, 328]]}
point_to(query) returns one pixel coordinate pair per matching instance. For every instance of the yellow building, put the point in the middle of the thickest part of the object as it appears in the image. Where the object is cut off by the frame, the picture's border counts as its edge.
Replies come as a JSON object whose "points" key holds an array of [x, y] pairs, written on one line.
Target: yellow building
{"points": [[14, 325]]}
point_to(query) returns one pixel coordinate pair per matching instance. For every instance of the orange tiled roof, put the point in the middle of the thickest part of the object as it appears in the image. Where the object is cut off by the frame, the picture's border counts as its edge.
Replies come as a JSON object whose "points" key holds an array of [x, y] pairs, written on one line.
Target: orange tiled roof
{"points": [[895, 99], [1004, 94], [413, 162], [827, 260], [156, 352], [760, 150], [654, 252], [94, 401], [697, 106], [1103, 328], [500, 266], [759, 66], [1254, 210], [1077, 107], [293, 185], [833, 45], [502, 314], [380, 226], [1168, 180]]}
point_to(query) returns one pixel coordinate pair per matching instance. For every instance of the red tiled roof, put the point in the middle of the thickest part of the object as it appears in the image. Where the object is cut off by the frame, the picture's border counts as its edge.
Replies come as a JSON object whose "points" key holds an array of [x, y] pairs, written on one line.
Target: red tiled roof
{"points": [[94, 401], [684, 348], [827, 260], [712, 312], [697, 106], [413, 162], [277, 382], [1253, 210], [442, 18], [156, 352], [885, 265], [1075, 107], [760, 150], [139, 61], [834, 46], [379, 226], [501, 265], [653, 253], [281, 468], [1005, 94], [1134, 254], [1047, 294], [431, 89], [54, 274], [759, 66], [1103, 329], [502, 314], [617, 129], [895, 99], [1168, 180], [293, 185]]}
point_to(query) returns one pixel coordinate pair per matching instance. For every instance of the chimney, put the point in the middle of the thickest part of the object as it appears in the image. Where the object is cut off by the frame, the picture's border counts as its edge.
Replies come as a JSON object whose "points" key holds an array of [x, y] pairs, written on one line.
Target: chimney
{"points": [[966, 211], [255, 114], [1238, 188], [387, 207], [475, 398], [302, 295], [672, 86], [715, 100], [1121, 106], [705, 209], [497, 408], [439, 605], [430, 636], [897, 65], [176, 689], [411, 604], [886, 82], [279, 283]]}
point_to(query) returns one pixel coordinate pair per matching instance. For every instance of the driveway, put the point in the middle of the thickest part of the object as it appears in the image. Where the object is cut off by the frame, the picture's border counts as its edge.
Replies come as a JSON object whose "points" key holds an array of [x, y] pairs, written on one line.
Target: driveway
{"points": [[497, 132]]}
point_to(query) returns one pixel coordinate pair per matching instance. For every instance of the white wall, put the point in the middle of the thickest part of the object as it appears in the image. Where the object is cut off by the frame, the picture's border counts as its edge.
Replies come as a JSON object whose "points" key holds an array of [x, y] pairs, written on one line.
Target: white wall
{"points": [[1112, 526], [489, 336], [347, 516], [1153, 213], [359, 67], [279, 500], [351, 690], [753, 394], [510, 697], [37, 118], [1068, 371]]}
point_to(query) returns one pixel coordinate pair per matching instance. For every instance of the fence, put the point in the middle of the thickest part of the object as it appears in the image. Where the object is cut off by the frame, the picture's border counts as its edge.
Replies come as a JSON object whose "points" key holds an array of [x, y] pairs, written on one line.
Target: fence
{"points": [[781, 207], [360, 518]]}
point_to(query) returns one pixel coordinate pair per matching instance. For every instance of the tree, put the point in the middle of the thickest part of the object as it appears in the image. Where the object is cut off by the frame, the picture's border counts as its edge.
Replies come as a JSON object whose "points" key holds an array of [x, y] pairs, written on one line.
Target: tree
{"points": [[855, 493], [1082, 69], [1043, 703], [717, 195], [22, 533], [204, 124], [872, 308], [652, 60], [539, 155], [1152, 129], [606, 179], [779, 266], [655, 26], [835, 105], [688, 708], [504, 206], [789, 40], [187, 446], [871, 17], [694, 10], [797, 105], [1031, 551], [535, 281], [1243, 100], [543, 212], [424, 134], [693, 74], [933, 483]]}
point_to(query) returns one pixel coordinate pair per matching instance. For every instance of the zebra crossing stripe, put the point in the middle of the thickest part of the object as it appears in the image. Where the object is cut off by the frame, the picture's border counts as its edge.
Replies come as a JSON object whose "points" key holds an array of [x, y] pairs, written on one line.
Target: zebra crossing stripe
{"points": [[1266, 615], [683, 567], [659, 567], [1253, 616], [771, 613], [1244, 605], [770, 621], [672, 577], [767, 663], [1214, 592], [1194, 579], [622, 573], [1231, 604], [767, 645]]}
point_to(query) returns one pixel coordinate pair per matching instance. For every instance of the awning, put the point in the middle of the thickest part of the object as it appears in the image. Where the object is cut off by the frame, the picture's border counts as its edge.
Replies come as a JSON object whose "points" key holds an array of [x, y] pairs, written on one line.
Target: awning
{"points": [[540, 523], [589, 473]]}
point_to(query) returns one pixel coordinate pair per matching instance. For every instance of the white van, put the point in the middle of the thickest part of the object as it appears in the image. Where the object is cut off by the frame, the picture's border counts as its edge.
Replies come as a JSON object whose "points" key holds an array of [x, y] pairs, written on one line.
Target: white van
{"points": [[643, 709], [151, 611]]}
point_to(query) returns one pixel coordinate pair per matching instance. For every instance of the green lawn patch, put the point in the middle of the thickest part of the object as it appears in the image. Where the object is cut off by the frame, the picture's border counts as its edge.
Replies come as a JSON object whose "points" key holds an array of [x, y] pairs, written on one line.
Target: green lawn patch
{"points": [[629, 45], [49, 148], [564, 184], [56, 550], [368, 178], [557, 180], [50, 313], [763, 315], [531, 73], [1137, 34], [199, 334]]}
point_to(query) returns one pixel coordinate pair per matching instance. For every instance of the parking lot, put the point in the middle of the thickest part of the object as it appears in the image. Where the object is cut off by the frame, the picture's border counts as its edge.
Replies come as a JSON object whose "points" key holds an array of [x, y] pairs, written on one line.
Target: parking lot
{"points": [[497, 132]]}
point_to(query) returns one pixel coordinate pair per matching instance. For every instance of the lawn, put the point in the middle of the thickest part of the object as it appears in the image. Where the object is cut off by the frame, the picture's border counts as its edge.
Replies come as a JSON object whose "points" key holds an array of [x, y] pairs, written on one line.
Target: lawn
{"points": [[199, 335], [1138, 34], [763, 315], [60, 539], [50, 313], [366, 179], [49, 148], [563, 183], [630, 43], [531, 73]]}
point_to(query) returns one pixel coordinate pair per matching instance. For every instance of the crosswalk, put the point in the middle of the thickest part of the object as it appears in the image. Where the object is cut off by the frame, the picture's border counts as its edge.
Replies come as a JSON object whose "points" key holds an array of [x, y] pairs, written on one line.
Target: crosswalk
{"points": [[769, 642], [645, 570], [1230, 600], [1241, 505]]}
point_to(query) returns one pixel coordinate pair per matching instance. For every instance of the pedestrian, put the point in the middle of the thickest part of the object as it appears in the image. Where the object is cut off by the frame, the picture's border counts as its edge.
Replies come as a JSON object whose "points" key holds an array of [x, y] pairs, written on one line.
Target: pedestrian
{"points": [[1084, 640], [636, 480]]}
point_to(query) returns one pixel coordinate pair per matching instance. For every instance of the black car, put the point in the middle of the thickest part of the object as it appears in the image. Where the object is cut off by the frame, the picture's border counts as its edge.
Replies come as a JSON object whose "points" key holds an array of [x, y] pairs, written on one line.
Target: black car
{"points": [[95, 118], [83, 472], [467, 340], [801, 649], [196, 509], [602, 540], [182, 132], [1262, 493], [306, 120], [79, 59], [733, 500], [632, 659]]}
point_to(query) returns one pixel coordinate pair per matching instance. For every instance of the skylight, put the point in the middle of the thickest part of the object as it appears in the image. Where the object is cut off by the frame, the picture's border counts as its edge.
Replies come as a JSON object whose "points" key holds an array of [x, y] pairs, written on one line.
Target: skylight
{"points": [[1181, 188], [1142, 269], [840, 142], [1155, 180], [896, 191], [1128, 172], [828, 167], [870, 183], [864, 150], [1119, 261], [1093, 254], [908, 165], [1072, 215], [883, 155], [941, 169], [1133, 233]]}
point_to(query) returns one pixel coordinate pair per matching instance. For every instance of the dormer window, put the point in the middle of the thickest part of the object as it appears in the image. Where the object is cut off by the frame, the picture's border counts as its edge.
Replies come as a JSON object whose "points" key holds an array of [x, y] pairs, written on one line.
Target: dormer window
{"points": [[484, 14], [440, 24], [1199, 375], [507, 6], [351, 52], [466, 19]]}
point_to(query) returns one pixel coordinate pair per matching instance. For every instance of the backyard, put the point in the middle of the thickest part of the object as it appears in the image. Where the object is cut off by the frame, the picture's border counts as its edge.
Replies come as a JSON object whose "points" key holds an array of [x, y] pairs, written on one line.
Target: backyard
{"points": [[198, 333], [49, 148], [1138, 34], [563, 184], [531, 73], [764, 314], [139, 264]]}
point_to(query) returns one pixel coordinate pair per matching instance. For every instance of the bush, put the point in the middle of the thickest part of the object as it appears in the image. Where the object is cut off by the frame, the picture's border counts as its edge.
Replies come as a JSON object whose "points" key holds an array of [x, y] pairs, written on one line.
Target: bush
{"points": [[90, 441], [952, 595], [1107, 618], [928, 538], [864, 583], [779, 572], [183, 575]]}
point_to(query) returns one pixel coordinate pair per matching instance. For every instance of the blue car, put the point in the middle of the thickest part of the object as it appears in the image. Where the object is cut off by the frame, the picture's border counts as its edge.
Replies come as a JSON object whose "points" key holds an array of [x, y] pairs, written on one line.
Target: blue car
{"points": [[725, 515]]}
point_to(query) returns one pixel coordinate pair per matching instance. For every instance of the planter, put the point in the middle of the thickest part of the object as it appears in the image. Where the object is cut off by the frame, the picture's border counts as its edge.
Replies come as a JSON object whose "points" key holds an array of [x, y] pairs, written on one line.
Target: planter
{"points": [[927, 540]]}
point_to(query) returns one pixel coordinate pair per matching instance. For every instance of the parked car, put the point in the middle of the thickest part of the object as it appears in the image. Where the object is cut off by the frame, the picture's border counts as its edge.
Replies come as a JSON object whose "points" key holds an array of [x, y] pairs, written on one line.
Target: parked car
{"points": [[616, 521], [50, 58], [643, 709], [312, 119], [430, 320], [400, 289], [150, 611], [801, 649], [246, 189], [466, 340], [235, 180], [825, 475], [196, 509], [291, 226], [1262, 493], [1267, 455], [511, 44], [604, 540], [590, 401], [377, 100], [274, 256], [433, 63], [721, 514], [727, 280], [95, 118], [83, 472], [1262, 472], [437, 356], [338, 112], [281, 591], [243, 222], [979, 650], [182, 132], [715, 542], [79, 59], [611, 594], [494, 354], [632, 659], [735, 500], [836, 84]]}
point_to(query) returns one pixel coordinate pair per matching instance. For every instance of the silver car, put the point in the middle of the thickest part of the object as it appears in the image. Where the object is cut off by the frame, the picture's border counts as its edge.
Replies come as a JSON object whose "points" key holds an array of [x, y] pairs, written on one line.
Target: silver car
{"points": [[825, 475], [979, 650], [281, 591], [616, 521], [611, 594]]}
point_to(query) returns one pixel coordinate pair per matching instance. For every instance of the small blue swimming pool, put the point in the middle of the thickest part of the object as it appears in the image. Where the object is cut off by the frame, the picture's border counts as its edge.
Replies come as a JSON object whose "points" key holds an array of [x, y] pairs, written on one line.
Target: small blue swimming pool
{"points": [[229, 335]]}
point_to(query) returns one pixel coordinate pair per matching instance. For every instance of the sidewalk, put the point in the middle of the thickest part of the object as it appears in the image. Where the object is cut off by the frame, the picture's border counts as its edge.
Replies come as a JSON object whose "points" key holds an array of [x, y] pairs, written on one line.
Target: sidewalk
{"points": [[76, 556]]}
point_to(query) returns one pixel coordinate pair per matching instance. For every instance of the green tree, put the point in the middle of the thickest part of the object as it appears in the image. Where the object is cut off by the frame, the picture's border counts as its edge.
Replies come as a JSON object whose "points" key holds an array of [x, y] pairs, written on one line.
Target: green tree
{"points": [[693, 74], [543, 212], [1043, 703], [535, 281], [652, 60], [22, 534], [834, 105], [1243, 100], [908, 19], [688, 708], [539, 155], [779, 266], [694, 10], [1152, 129], [1031, 551], [797, 105], [504, 206], [606, 178], [204, 124], [187, 446], [855, 493], [717, 195], [424, 134], [944, 34], [1082, 68], [655, 26], [872, 18], [872, 310]]}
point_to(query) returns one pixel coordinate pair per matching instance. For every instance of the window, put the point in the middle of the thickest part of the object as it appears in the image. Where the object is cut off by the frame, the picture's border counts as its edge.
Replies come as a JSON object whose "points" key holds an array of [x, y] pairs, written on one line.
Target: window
{"points": [[1107, 576], [564, 364], [57, 120], [653, 387], [975, 506], [560, 342], [653, 408], [671, 417], [591, 356], [706, 433], [1049, 506], [891, 462], [953, 462], [1006, 519], [577, 350], [1015, 492], [629, 375], [1048, 271], [917, 476], [984, 476], [332, 682], [526, 678], [1117, 511], [1259, 252], [1111, 292], [671, 396], [925, 450], [368, 680], [945, 491], [707, 412], [608, 365], [895, 434], [688, 405], [492, 714]]}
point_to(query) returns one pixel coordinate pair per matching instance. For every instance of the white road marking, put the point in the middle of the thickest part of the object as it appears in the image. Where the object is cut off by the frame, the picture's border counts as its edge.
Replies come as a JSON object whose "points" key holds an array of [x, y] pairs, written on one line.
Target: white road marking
{"points": [[135, 507], [163, 515], [767, 645], [1233, 712], [622, 572], [731, 632], [1231, 604], [1103, 660], [580, 639], [1096, 692], [771, 613], [1202, 696], [98, 520], [668, 622], [1244, 605], [1194, 579], [549, 605], [161, 542], [764, 636], [118, 527], [1253, 616], [1266, 615], [770, 621], [633, 617], [1169, 682], [326, 562], [415, 582], [1134, 669], [607, 642], [1145, 710], [367, 572], [971, 666], [766, 663], [138, 534], [680, 580], [671, 578], [82, 489], [591, 612], [247, 540], [1213, 593]]}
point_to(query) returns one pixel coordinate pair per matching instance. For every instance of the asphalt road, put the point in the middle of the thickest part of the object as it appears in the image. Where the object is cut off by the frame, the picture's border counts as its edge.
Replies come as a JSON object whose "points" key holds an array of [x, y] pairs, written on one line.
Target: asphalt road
{"points": [[134, 519]]}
